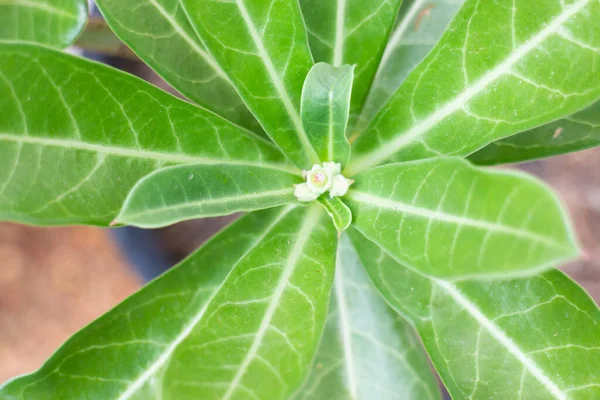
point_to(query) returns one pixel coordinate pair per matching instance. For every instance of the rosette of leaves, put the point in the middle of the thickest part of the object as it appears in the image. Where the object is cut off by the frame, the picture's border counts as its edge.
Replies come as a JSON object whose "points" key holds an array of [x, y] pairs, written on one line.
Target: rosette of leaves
{"points": [[325, 299]]}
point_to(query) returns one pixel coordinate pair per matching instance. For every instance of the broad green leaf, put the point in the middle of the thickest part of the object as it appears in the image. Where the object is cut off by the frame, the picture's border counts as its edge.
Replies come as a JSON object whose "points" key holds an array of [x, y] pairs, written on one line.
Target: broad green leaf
{"points": [[324, 109], [235, 320], [338, 211], [262, 46], [350, 32], [55, 23], [419, 26], [497, 70], [75, 136], [449, 219], [185, 192], [530, 338], [159, 32], [367, 352], [576, 132]]}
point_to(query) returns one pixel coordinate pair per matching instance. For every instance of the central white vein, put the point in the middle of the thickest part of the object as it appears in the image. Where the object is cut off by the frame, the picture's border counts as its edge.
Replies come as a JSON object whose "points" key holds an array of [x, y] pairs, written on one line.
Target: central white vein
{"points": [[177, 158], [189, 40], [330, 143], [290, 266], [135, 217], [502, 338], [277, 82], [403, 139], [151, 371], [398, 34], [436, 215], [338, 49], [44, 6], [345, 329]]}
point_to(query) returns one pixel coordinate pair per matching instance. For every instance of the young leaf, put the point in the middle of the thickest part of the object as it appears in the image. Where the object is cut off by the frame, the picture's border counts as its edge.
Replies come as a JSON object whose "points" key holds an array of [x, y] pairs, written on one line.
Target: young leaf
{"points": [[324, 109], [537, 337], [184, 192], [419, 26], [235, 319], [79, 135], [262, 46], [527, 65], [449, 219], [159, 32], [338, 211], [577, 132], [350, 32], [47, 22], [367, 351]]}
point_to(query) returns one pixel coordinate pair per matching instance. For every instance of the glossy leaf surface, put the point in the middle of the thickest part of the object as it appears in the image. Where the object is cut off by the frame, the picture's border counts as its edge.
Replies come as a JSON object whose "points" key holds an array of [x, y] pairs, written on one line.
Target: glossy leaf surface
{"points": [[351, 32], [262, 46], [367, 351], [577, 132], [449, 219], [55, 23], [324, 110], [160, 34], [79, 135], [185, 192], [419, 26], [529, 338], [338, 211], [235, 320], [494, 73]]}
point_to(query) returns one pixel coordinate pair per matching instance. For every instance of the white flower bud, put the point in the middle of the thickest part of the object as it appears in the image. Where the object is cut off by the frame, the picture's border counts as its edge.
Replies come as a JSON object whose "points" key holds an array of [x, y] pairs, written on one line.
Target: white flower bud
{"points": [[319, 179], [333, 168], [304, 193], [340, 185]]}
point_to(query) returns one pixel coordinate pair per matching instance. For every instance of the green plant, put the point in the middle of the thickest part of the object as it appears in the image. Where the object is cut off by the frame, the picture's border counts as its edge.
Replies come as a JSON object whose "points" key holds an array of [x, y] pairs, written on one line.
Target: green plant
{"points": [[461, 253]]}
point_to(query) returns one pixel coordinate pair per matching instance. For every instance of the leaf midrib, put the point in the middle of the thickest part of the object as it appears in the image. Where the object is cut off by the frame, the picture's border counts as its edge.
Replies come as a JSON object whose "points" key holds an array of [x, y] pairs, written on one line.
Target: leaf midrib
{"points": [[345, 330], [176, 158], [277, 82], [410, 136], [374, 201], [193, 44], [40, 6], [200, 203], [503, 339], [187, 330], [304, 233]]}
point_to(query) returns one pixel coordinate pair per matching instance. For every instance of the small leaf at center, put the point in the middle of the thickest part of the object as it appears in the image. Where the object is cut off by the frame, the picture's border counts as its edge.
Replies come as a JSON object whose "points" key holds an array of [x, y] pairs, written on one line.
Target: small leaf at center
{"points": [[338, 211], [325, 108]]}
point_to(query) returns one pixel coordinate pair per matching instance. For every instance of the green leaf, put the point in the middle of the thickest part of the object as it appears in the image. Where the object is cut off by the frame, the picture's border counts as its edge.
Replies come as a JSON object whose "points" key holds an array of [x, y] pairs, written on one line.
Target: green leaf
{"points": [[350, 32], [448, 219], [324, 110], [185, 192], [262, 46], [235, 320], [338, 211], [367, 351], [419, 26], [55, 23], [577, 132], [497, 70], [159, 32], [75, 136], [535, 338]]}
